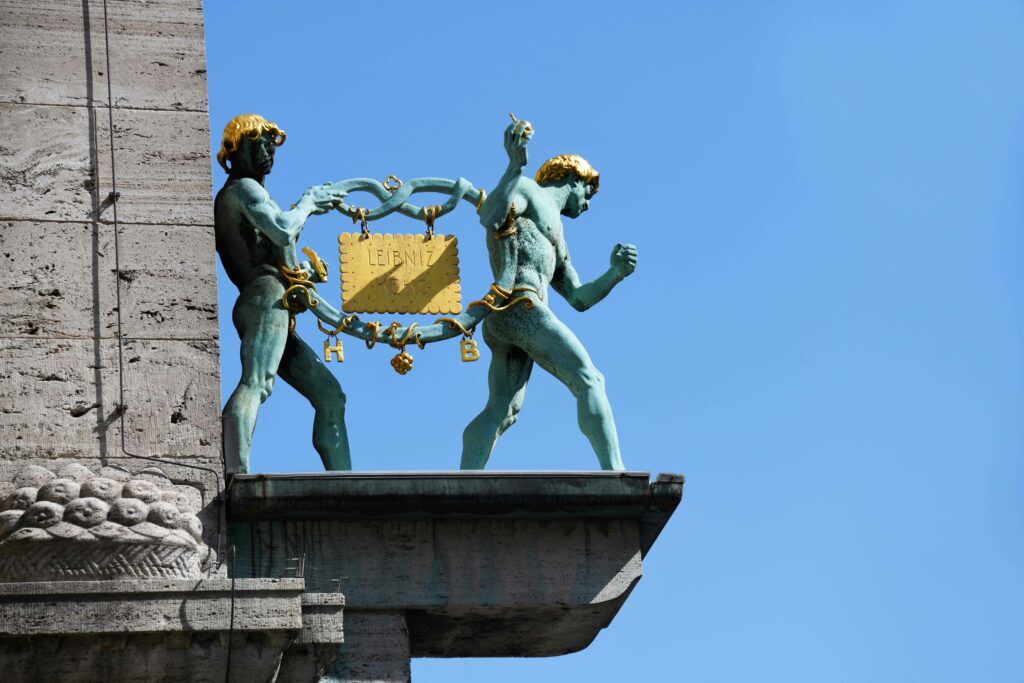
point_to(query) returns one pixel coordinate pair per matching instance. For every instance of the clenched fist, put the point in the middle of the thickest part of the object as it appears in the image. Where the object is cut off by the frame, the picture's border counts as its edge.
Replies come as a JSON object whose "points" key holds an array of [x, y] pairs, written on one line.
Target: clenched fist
{"points": [[623, 259]]}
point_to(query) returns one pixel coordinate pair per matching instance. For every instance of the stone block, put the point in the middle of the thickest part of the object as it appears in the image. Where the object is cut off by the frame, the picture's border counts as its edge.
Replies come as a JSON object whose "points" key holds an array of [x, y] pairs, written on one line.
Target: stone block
{"points": [[55, 53], [322, 618], [46, 52], [316, 646], [209, 630], [50, 279], [58, 280], [376, 649], [168, 281], [163, 167], [170, 605], [47, 162], [56, 163], [59, 398]]}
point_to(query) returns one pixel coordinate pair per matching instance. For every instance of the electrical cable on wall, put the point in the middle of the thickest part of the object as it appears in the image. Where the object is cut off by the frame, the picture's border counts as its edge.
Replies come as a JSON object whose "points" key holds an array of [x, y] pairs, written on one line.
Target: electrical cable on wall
{"points": [[122, 408]]}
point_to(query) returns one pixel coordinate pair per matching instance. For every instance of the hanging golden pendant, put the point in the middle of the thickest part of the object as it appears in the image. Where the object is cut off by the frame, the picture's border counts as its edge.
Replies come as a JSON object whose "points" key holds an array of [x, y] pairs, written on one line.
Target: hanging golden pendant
{"points": [[332, 336], [402, 363], [333, 350], [468, 350]]}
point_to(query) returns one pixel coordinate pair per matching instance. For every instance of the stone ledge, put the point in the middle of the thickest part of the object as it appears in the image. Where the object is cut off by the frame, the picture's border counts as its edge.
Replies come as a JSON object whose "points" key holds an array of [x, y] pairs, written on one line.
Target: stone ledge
{"points": [[167, 630], [119, 606], [474, 564], [535, 632], [458, 495]]}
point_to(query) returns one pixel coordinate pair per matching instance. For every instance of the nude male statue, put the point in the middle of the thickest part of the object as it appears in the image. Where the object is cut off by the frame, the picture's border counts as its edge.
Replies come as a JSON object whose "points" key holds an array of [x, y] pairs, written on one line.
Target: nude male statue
{"points": [[528, 252], [254, 236]]}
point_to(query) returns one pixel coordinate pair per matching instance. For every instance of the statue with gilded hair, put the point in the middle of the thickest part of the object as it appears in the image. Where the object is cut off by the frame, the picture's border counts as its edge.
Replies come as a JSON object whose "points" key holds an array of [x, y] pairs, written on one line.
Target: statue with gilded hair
{"points": [[528, 253], [254, 237]]}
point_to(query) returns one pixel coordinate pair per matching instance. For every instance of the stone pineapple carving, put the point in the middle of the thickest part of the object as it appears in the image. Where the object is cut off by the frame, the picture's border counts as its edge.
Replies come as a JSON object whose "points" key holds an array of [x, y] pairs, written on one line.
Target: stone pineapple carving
{"points": [[80, 525]]}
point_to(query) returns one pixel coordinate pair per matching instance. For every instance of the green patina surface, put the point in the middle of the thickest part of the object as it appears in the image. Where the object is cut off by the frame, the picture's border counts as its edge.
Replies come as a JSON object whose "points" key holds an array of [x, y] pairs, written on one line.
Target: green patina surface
{"points": [[528, 254]]}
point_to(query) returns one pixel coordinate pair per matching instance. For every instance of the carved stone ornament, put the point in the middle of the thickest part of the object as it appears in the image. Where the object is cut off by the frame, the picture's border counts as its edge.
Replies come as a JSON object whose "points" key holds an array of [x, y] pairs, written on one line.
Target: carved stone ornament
{"points": [[80, 525]]}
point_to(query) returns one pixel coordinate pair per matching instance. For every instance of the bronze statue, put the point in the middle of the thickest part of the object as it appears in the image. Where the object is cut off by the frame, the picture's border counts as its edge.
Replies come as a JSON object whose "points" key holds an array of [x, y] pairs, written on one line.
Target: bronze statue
{"points": [[254, 237], [528, 252]]}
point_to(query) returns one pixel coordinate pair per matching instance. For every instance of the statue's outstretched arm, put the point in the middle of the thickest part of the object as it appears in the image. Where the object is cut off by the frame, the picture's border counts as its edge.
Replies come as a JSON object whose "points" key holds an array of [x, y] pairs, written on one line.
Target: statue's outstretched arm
{"points": [[393, 199], [493, 213], [281, 227], [582, 296]]}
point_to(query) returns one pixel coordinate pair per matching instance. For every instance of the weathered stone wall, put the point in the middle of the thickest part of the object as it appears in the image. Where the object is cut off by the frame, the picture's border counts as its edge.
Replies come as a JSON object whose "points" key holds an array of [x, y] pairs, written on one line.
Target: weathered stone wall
{"points": [[376, 650], [169, 630], [59, 389]]}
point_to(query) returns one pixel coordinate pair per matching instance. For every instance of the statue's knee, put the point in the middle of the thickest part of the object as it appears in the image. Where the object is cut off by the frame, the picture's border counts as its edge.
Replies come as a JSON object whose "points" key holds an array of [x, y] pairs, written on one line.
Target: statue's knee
{"points": [[258, 386], [496, 410], [330, 406], [339, 402], [590, 380], [266, 388], [333, 400], [513, 409], [509, 420]]}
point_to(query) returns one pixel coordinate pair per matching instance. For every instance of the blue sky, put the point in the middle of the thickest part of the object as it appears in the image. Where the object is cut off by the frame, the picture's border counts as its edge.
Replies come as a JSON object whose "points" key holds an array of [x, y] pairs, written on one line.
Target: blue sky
{"points": [[824, 332]]}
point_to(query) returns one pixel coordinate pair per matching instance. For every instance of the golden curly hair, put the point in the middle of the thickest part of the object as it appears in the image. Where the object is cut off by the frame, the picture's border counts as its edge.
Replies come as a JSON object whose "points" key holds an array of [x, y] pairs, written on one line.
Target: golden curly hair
{"points": [[558, 168], [245, 125]]}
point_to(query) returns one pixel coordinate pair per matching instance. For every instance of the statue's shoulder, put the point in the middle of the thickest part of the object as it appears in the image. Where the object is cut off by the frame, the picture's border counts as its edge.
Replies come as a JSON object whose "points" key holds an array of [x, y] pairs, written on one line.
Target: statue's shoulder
{"points": [[538, 198], [527, 189], [528, 185], [245, 190]]}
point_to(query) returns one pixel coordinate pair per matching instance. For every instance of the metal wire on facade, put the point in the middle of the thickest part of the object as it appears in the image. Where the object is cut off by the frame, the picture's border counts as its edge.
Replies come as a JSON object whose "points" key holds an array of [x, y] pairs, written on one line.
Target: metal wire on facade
{"points": [[122, 407]]}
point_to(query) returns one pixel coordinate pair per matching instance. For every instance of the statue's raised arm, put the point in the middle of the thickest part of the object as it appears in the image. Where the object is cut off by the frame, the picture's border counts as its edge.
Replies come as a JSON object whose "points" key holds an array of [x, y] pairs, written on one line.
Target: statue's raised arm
{"points": [[528, 254], [505, 198]]}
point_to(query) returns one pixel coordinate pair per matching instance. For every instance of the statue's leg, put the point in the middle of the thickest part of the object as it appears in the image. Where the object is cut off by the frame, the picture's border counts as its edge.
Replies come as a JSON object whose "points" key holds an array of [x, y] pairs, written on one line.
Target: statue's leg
{"points": [[506, 379], [262, 327], [302, 369], [556, 349]]}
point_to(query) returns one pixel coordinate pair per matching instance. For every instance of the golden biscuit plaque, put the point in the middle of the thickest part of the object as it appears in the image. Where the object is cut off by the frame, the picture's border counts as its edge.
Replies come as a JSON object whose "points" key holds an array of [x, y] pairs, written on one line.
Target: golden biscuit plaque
{"points": [[383, 273]]}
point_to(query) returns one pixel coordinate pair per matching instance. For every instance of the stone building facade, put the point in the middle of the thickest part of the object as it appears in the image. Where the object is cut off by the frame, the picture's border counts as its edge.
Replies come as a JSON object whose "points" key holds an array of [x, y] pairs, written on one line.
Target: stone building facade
{"points": [[61, 365], [118, 537]]}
